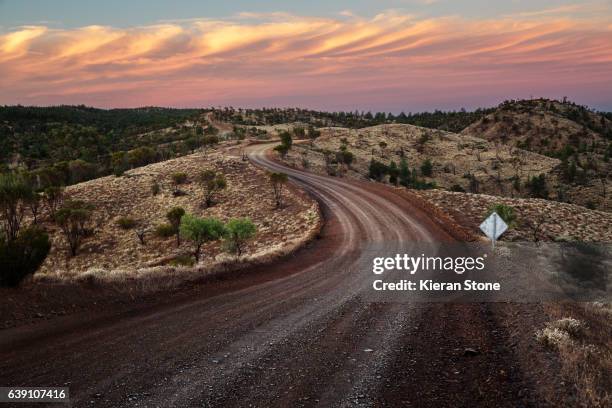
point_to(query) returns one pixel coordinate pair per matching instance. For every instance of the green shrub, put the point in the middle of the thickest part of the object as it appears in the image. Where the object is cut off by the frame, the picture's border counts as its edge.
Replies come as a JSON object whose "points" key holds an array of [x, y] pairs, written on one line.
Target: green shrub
{"points": [[126, 223], [505, 212], [238, 232], [165, 230], [182, 260]]}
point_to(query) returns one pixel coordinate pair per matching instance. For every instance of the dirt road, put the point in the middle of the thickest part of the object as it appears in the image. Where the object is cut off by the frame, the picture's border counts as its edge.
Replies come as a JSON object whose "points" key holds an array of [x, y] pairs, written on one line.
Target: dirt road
{"points": [[301, 334]]}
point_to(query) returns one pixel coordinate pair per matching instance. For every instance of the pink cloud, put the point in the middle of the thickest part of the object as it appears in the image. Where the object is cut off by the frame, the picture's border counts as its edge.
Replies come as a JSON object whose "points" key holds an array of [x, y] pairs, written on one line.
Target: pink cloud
{"points": [[389, 62]]}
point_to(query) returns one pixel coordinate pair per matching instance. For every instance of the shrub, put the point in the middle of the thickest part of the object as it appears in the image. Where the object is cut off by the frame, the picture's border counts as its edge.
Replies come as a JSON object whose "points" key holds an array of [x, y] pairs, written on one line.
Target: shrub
{"points": [[377, 170], [505, 212], [15, 194], [126, 223], [537, 187], [174, 217], [427, 168], [200, 231], [23, 256], [155, 188], [457, 188], [178, 179], [238, 232], [278, 180], [72, 219], [164, 230], [212, 183], [182, 260]]}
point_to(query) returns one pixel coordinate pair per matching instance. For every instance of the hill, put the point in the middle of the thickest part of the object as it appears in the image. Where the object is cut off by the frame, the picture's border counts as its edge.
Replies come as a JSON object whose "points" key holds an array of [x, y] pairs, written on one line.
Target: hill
{"points": [[579, 137], [115, 254], [460, 163]]}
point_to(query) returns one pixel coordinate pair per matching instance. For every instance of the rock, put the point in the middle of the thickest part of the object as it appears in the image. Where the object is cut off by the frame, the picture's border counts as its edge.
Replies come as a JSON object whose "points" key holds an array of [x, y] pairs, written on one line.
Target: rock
{"points": [[470, 352]]}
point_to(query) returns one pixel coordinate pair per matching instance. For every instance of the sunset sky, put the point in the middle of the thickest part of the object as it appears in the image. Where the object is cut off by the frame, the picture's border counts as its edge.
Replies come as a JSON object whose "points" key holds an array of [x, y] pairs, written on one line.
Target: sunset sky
{"points": [[409, 55]]}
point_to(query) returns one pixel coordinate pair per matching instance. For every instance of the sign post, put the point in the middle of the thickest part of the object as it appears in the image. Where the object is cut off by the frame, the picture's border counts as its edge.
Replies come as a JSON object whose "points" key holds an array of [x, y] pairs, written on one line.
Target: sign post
{"points": [[493, 226]]}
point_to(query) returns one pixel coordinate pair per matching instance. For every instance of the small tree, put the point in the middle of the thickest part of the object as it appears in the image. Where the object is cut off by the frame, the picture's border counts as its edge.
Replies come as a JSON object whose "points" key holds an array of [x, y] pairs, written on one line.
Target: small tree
{"points": [[72, 219], [141, 232], [286, 139], [278, 180], [212, 183], [393, 173], [282, 149], [15, 193], [200, 231], [537, 187], [404, 173], [427, 168], [54, 198], [34, 203], [238, 232], [174, 218], [178, 179]]}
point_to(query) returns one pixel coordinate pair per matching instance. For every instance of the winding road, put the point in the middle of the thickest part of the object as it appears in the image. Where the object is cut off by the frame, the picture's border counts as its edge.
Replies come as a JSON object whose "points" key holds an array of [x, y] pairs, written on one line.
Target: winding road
{"points": [[304, 335]]}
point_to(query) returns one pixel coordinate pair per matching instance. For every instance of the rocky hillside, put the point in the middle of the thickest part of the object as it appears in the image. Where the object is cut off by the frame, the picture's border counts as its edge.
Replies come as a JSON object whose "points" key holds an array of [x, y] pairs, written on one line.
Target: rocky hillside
{"points": [[464, 163], [113, 250], [580, 138], [536, 219]]}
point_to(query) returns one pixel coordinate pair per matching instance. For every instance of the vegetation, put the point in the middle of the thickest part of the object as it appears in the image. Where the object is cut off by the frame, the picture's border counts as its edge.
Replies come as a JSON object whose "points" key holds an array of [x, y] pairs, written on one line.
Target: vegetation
{"points": [[238, 232], [165, 230], [72, 219], [22, 256], [126, 223], [200, 231], [174, 218], [178, 179], [212, 184], [278, 180], [69, 144], [505, 212], [15, 194], [537, 187], [427, 168]]}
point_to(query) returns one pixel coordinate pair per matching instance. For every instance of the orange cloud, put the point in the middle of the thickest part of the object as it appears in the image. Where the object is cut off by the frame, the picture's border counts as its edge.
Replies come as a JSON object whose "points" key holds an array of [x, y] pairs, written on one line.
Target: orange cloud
{"points": [[283, 59]]}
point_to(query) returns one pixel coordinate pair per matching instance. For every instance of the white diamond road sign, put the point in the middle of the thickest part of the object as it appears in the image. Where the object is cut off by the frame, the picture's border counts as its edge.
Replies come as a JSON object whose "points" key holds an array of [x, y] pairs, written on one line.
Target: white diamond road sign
{"points": [[493, 226]]}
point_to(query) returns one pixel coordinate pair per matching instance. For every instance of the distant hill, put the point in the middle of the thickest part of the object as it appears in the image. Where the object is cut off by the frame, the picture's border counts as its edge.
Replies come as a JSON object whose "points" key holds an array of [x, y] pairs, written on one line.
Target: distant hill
{"points": [[579, 137]]}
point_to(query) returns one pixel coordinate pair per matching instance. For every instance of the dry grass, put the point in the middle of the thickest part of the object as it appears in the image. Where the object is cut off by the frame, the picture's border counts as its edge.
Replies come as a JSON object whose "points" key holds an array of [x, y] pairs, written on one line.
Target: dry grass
{"points": [[114, 255], [584, 344]]}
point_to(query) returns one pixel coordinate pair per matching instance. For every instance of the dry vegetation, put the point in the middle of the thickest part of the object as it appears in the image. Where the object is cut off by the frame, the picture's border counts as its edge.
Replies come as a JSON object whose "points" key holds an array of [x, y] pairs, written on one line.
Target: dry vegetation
{"points": [[456, 159], [114, 253], [557, 129], [581, 334], [537, 219]]}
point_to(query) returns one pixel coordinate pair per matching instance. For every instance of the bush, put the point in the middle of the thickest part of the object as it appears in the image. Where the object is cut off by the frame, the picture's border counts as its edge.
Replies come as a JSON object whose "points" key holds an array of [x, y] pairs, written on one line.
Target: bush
{"points": [[427, 168], [126, 223], [200, 231], [505, 212], [457, 188], [164, 230], [377, 170], [23, 256], [155, 188], [238, 231], [182, 260], [174, 217]]}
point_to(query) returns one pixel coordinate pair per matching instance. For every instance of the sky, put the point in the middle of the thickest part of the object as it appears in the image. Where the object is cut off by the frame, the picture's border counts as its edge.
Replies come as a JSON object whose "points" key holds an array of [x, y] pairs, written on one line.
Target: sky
{"points": [[386, 55]]}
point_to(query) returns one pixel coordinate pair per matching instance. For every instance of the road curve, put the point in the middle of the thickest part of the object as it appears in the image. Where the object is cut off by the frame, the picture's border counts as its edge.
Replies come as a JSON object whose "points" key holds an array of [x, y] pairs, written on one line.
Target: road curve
{"points": [[305, 337]]}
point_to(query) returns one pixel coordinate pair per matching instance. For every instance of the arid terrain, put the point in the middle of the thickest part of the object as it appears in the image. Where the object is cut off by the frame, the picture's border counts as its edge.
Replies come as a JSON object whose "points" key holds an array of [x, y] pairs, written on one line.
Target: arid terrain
{"points": [[290, 322], [116, 253]]}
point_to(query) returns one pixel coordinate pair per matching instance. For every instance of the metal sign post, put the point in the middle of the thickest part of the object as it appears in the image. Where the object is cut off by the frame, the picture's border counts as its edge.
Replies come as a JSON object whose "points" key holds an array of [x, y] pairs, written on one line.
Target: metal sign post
{"points": [[493, 227]]}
